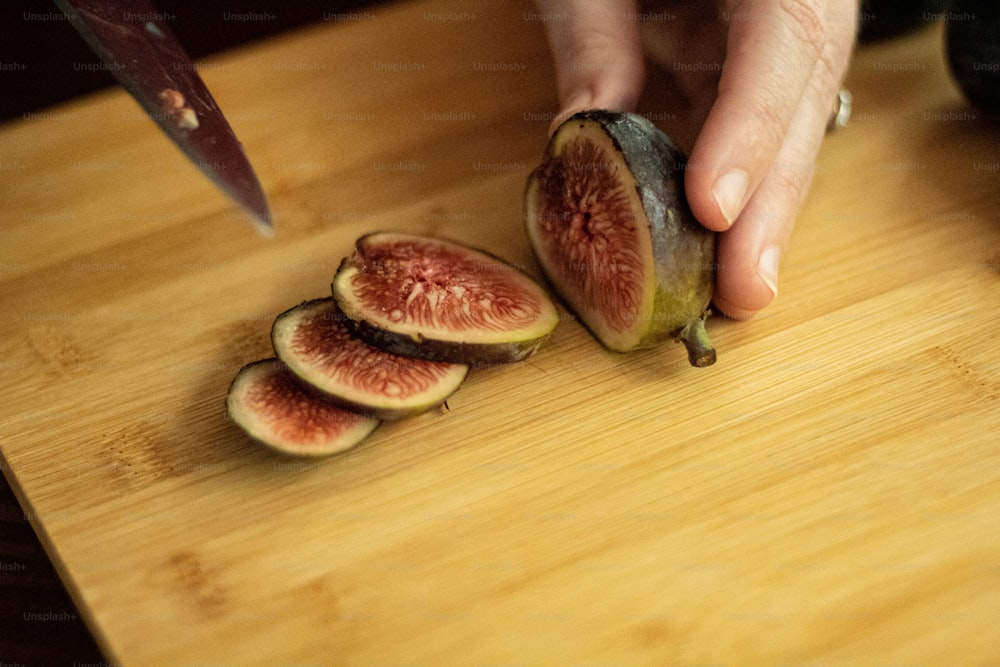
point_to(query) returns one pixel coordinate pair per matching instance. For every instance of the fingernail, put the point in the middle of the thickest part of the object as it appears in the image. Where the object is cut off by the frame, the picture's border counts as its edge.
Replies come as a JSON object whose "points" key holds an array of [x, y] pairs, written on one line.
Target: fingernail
{"points": [[729, 191], [767, 267]]}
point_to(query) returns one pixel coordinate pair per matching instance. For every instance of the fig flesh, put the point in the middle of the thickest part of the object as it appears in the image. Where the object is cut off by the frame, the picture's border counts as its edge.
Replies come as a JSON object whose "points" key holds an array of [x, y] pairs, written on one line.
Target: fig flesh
{"points": [[609, 224], [277, 409], [440, 300], [315, 343]]}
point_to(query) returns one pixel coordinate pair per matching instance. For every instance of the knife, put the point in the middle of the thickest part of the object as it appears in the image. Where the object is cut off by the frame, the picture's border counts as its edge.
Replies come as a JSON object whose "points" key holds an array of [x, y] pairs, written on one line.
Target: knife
{"points": [[142, 52]]}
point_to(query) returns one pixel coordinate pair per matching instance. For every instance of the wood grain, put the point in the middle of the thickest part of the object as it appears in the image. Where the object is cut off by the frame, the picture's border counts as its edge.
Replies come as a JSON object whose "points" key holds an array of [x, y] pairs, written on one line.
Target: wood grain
{"points": [[826, 493]]}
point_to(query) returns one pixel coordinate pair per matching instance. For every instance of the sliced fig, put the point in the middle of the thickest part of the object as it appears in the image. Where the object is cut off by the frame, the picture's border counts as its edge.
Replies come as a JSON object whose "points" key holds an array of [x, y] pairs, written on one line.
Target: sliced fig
{"points": [[277, 409], [440, 300], [609, 224], [314, 341]]}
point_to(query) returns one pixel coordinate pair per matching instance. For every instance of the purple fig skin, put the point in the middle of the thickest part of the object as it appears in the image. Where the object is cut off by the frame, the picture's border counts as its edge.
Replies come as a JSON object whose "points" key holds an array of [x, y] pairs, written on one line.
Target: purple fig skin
{"points": [[611, 229], [276, 409], [315, 342], [440, 300]]}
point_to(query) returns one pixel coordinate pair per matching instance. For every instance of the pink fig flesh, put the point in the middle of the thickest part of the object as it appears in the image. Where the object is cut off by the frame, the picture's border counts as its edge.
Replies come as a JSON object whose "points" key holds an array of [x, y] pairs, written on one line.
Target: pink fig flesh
{"points": [[275, 408], [314, 341], [435, 299]]}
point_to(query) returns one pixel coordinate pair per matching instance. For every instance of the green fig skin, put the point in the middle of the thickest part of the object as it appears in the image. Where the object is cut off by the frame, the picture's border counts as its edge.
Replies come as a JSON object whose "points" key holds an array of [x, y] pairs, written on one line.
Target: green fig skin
{"points": [[683, 250], [681, 253]]}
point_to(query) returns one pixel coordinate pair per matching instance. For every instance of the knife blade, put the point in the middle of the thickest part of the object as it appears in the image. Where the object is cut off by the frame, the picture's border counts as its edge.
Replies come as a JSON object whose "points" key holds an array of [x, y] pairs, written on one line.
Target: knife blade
{"points": [[141, 51]]}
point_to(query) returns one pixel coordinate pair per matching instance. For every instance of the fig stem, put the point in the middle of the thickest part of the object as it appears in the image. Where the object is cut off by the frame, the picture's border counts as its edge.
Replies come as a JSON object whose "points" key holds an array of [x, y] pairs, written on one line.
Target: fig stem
{"points": [[699, 347]]}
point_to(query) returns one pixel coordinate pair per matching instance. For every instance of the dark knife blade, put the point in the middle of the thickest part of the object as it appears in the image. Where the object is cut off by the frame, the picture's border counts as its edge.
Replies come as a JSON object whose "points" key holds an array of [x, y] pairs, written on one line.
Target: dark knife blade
{"points": [[142, 52]]}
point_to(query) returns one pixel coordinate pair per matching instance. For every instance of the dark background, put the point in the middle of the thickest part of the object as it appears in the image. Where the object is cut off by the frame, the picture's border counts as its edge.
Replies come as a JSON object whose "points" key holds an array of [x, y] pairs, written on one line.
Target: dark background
{"points": [[38, 50], [43, 47], [38, 56]]}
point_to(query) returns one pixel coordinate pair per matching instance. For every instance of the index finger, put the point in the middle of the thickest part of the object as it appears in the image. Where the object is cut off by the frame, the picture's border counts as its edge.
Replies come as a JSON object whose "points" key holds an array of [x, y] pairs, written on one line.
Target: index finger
{"points": [[597, 54], [772, 53]]}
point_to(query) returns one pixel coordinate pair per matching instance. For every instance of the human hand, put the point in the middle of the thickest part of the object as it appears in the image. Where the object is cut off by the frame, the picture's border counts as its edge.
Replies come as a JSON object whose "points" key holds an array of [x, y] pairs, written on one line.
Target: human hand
{"points": [[762, 77]]}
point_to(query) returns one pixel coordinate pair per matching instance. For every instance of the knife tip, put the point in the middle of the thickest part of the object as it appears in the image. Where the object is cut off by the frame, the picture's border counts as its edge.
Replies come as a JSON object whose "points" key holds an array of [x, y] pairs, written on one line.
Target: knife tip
{"points": [[252, 201], [262, 223]]}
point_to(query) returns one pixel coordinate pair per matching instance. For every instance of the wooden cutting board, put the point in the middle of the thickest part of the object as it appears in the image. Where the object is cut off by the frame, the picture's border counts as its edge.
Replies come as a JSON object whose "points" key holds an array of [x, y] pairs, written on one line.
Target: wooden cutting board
{"points": [[827, 493]]}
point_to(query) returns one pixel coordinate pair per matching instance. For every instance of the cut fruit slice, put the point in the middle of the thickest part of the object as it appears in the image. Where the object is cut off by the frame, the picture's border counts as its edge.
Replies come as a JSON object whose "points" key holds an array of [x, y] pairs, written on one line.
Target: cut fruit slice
{"points": [[440, 300], [607, 219], [314, 341], [275, 408]]}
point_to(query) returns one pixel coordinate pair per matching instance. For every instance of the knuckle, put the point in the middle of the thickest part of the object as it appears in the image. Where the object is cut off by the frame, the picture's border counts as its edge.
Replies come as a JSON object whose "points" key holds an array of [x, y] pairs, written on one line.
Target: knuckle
{"points": [[792, 180], [825, 82], [807, 22], [826, 75], [768, 114]]}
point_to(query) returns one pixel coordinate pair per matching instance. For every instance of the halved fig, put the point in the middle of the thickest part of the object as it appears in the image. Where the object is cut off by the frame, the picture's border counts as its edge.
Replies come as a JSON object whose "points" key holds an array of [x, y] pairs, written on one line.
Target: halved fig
{"points": [[611, 229], [440, 300], [277, 409], [314, 341]]}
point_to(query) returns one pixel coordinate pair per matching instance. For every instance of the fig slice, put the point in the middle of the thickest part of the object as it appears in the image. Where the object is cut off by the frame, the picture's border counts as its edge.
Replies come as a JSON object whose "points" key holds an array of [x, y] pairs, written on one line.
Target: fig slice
{"points": [[278, 410], [440, 300], [610, 227], [315, 343]]}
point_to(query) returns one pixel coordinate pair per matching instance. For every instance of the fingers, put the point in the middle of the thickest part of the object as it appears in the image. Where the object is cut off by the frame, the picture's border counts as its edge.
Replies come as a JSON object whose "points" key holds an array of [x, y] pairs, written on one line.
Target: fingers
{"points": [[772, 50], [597, 54], [749, 254], [690, 45], [752, 164]]}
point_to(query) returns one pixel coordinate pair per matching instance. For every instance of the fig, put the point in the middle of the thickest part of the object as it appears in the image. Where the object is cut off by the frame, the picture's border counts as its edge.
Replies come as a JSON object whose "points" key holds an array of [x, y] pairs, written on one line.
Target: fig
{"points": [[440, 300], [315, 343], [610, 227], [277, 409]]}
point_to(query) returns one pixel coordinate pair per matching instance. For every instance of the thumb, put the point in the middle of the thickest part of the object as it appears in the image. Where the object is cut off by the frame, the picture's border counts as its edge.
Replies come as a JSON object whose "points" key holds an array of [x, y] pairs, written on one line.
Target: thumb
{"points": [[597, 54]]}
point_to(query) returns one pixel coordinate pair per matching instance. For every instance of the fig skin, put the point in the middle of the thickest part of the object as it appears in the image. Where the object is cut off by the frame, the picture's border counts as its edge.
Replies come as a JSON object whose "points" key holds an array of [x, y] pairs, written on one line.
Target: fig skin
{"points": [[280, 411], [475, 355], [314, 341], [672, 285], [474, 345]]}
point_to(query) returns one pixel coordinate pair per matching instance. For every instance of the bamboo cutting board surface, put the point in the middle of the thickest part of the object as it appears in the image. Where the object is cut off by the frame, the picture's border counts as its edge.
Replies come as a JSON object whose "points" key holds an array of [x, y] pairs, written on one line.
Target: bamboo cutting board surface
{"points": [[828, 492]]}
